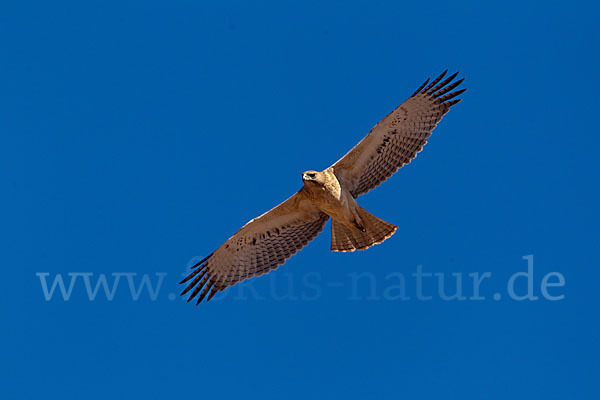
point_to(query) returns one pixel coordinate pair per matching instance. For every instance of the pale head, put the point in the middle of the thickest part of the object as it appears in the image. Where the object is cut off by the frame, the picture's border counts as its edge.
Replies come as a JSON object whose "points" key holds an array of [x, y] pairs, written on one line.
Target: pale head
{"points": [[312, 177]]}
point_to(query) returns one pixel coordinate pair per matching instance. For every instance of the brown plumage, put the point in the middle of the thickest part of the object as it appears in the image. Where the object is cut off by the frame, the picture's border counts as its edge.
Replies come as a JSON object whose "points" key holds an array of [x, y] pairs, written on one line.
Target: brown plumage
{"points": [[267, 241]]}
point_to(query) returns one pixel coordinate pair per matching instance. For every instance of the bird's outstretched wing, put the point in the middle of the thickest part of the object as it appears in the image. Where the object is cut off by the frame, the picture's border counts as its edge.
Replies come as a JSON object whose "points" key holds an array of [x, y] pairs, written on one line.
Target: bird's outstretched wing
{"points": [[397, 139], [261, 245]]}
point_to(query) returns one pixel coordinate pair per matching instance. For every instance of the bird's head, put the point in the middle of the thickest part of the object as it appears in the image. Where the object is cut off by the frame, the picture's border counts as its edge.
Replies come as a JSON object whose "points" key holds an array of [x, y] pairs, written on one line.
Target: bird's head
{"points": [[311, 177]]}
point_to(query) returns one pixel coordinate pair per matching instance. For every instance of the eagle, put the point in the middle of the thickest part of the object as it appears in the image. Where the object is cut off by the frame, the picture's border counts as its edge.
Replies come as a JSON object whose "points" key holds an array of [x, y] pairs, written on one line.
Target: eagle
{"points": [[267, 241]]}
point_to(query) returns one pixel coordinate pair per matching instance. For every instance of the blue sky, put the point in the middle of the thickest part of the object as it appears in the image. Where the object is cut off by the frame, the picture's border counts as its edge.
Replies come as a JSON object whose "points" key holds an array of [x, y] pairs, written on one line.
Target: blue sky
{"points": [[139, 135]]}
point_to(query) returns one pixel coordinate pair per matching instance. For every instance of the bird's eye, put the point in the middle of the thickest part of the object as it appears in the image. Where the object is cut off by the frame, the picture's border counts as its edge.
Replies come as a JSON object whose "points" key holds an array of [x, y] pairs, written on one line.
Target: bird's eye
{"points": [[311, 176]]}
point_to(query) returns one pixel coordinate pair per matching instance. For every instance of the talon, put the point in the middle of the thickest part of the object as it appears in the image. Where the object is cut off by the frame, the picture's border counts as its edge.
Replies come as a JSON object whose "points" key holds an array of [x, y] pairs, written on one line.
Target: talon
{"points": [[359, 226]]}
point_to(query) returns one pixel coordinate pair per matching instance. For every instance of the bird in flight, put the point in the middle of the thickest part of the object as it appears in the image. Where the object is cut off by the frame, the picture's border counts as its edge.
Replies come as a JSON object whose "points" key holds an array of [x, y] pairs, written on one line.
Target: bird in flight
{"points": [[269, 240]]}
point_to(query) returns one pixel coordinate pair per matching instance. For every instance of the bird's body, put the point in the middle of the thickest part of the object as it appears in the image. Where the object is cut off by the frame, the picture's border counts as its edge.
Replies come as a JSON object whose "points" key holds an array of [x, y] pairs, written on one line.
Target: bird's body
{"points": [[267, 241], [327, 194], [333, 198]]}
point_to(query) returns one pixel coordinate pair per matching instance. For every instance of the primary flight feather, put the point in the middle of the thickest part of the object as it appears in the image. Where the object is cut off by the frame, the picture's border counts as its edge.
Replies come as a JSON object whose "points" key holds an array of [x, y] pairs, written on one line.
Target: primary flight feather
{"points": [[267, 241]]}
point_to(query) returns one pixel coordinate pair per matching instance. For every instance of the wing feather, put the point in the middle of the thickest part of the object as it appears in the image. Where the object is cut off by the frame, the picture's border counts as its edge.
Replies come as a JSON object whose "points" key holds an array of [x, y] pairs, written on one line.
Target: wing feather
{"points": [[399, 137], [258, 247]]}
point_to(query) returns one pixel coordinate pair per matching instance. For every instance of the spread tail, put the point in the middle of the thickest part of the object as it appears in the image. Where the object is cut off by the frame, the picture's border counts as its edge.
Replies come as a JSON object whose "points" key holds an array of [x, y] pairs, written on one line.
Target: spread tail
{"points": [[375, 231]]}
